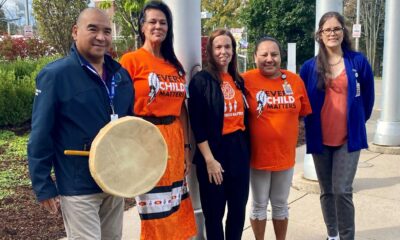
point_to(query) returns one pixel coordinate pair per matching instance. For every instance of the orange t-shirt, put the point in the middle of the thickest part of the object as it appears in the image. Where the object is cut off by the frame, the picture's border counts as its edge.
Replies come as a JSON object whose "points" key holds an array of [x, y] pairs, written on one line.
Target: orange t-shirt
{"points": [[274, 119], [334, 112], [159, 89], [233, 105]]}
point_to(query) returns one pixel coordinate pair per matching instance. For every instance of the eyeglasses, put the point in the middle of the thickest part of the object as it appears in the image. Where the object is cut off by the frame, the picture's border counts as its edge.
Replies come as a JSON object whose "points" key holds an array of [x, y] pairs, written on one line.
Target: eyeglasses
{"points": [[328, 31]]}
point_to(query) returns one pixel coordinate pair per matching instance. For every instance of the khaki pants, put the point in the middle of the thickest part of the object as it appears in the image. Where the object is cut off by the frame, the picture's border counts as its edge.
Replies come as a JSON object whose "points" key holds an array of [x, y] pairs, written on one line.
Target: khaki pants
{"points": [[94, 216]]}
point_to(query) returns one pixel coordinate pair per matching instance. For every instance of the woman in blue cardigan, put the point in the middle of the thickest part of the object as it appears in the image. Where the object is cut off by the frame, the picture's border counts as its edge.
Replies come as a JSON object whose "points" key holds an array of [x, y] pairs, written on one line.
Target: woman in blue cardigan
{"points": [[340, 86]]}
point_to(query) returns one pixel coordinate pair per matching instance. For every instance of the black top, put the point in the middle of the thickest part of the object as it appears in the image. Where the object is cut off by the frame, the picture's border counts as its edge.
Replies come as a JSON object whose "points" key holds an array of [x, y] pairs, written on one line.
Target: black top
{"points": [[206, 111]]}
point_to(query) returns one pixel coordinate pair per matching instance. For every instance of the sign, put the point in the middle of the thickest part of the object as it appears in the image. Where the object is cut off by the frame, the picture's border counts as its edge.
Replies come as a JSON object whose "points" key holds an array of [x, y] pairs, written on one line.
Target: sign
{"points": [[206, 15], [28, 31], [237, 33], [243, 43], [356, 30]]}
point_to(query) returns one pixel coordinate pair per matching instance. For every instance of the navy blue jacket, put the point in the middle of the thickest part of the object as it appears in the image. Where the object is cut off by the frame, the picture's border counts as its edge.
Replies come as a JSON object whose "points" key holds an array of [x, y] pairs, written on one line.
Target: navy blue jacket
{"points": [[359, 108], [70, 107]]}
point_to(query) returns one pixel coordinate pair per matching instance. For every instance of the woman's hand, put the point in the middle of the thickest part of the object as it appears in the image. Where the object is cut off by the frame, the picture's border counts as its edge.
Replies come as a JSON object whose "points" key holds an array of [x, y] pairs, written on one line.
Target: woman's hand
{"points": [[188, 163], [215, 171]]}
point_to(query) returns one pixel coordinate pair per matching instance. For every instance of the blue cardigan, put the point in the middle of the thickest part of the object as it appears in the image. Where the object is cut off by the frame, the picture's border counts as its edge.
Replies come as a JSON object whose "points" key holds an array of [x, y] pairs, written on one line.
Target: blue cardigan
{"points": [[359, 106]]}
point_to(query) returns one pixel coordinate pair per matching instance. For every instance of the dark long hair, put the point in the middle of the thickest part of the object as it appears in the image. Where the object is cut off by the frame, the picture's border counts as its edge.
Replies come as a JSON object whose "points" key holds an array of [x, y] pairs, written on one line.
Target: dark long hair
{"points": [[167, 46], [212, 67], [322, 58]]}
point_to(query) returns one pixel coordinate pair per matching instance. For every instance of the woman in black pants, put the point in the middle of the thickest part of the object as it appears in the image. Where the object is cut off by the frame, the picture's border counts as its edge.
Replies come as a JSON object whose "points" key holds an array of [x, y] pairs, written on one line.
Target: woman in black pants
{"points": [[217, 109]]}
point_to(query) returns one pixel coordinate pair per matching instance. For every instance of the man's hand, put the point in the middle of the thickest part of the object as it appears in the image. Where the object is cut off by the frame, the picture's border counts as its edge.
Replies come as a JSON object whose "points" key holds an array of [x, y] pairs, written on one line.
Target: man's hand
{"points": [[52, 205]]}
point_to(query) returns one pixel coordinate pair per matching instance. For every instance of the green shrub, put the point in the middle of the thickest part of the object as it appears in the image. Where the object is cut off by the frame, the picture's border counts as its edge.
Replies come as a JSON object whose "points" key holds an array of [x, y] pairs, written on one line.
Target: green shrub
{"points": [[13, 166], [17, 89]]}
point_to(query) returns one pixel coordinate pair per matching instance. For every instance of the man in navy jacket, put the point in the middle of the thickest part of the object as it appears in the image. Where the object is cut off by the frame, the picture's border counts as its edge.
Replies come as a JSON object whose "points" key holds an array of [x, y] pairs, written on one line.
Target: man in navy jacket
{"points": [[75, 97]]}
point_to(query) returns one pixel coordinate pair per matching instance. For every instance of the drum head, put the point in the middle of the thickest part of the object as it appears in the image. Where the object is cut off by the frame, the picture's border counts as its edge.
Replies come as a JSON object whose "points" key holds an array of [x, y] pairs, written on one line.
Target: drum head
{"points": [[128, 157]]}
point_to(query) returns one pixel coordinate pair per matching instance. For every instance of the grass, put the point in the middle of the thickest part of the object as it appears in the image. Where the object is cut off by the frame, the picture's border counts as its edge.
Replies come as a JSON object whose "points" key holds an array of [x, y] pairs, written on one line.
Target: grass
{"points": [[13, 163]]}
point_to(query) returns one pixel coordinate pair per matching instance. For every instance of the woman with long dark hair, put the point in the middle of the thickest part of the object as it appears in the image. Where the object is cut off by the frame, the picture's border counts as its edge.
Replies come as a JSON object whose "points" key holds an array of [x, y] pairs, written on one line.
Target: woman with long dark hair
{"points": [[159, 81], [340, 85], [217, 110]]}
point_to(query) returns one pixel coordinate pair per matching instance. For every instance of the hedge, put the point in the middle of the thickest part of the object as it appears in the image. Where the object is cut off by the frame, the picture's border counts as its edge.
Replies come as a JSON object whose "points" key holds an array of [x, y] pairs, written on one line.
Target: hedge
{"points": [[17, 89]]}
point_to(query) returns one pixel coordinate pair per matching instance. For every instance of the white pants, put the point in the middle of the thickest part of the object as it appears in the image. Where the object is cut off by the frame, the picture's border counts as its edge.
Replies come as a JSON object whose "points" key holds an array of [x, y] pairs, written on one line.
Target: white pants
{"points": [[94, 216], [270, 186]]}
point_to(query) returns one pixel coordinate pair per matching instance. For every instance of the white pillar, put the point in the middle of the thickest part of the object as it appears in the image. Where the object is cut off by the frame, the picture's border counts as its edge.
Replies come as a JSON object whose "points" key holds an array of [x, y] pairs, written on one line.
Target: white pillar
{"points": [[388, 127], [322, 6], [187, 42], [357, 22], [27, 13], [291, 62]]}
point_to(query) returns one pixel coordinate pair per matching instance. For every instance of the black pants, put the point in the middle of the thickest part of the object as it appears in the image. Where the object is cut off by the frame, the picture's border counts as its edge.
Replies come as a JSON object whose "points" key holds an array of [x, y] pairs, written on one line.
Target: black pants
{"points": [[233, 191]]}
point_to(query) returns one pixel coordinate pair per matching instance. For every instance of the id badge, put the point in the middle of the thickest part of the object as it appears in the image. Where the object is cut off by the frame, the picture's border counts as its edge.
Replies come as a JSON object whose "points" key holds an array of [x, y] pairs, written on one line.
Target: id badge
{"points": [[358, 90], [288, 89], [114, 117]]}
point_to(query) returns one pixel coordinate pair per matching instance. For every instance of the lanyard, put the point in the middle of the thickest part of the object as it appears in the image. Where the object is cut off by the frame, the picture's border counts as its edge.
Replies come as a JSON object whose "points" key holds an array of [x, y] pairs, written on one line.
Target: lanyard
{"points": [[110, 92]]}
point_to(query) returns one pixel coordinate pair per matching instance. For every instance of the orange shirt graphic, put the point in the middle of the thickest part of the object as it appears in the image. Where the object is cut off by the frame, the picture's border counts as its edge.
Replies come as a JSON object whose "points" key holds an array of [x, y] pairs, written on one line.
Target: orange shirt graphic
{"points": [[233, 105], [334, 112], [274, 119], [156, 83]]}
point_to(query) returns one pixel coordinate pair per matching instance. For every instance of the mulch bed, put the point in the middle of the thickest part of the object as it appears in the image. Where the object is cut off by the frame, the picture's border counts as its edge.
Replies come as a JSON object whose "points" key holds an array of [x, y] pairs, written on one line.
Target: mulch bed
{"points": [[21, 217]]}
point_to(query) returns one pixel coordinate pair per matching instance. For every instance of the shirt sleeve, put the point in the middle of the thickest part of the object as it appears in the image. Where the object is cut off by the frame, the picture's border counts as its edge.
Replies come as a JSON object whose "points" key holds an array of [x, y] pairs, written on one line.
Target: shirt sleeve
{"points": [[127, 62], [41, 151], [305, 102]]}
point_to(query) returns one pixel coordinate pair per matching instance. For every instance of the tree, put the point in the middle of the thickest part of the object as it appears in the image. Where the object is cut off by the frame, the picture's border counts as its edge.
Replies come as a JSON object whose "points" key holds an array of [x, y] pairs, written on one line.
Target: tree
{"points": [[372, 17], [126, 16], [224, 14], [285, 20], [55, 20]]}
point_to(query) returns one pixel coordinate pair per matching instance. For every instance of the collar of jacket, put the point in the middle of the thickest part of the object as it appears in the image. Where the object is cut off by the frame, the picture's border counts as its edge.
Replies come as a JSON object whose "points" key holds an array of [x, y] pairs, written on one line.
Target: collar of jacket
{"points": [[111, 65]]}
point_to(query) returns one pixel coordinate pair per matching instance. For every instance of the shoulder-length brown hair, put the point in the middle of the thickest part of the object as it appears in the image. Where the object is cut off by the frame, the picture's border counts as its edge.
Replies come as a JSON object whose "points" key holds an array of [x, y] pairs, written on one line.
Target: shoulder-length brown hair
{"points": [[212, 67], [322, 58]]}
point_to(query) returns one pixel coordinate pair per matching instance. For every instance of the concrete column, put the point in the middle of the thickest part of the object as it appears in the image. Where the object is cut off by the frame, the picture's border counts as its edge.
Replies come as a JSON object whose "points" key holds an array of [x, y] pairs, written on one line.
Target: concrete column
{"points": [[358, 22], [388, 127], [26, 13], [322, 6], [187, 42], [291, 62]]}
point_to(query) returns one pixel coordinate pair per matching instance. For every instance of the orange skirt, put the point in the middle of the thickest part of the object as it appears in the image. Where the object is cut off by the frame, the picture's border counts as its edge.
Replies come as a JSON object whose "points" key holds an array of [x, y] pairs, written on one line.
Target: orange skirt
{"points": [[166, 212]]}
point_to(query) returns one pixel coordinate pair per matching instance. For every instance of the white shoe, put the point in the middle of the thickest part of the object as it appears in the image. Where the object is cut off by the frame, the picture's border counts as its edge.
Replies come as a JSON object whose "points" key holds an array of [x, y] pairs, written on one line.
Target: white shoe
{"points": [[333, 238]]}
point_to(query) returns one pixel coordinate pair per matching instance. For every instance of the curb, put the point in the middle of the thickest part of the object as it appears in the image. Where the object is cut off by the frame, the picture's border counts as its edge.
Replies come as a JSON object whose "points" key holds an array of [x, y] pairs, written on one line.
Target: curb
{"points": [[383, 149]]}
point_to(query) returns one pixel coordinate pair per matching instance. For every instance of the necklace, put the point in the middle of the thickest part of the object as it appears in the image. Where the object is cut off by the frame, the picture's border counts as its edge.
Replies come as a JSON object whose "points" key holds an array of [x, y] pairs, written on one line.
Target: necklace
{"points": [[334, 64]]}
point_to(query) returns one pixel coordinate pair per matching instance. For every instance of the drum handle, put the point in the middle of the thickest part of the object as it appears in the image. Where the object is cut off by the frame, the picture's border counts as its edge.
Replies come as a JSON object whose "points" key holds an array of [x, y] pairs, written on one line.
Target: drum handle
{"points": [[76, 153]]}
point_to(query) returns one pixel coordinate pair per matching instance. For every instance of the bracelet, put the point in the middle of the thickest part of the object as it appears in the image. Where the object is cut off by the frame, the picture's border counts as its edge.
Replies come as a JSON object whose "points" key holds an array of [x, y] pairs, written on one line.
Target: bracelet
{"points": [[188, 145]]}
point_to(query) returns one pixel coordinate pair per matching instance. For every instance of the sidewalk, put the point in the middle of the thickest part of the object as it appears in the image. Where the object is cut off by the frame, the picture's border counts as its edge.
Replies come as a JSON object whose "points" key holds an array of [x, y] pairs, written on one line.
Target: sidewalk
{"points": [[376, 198]]}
